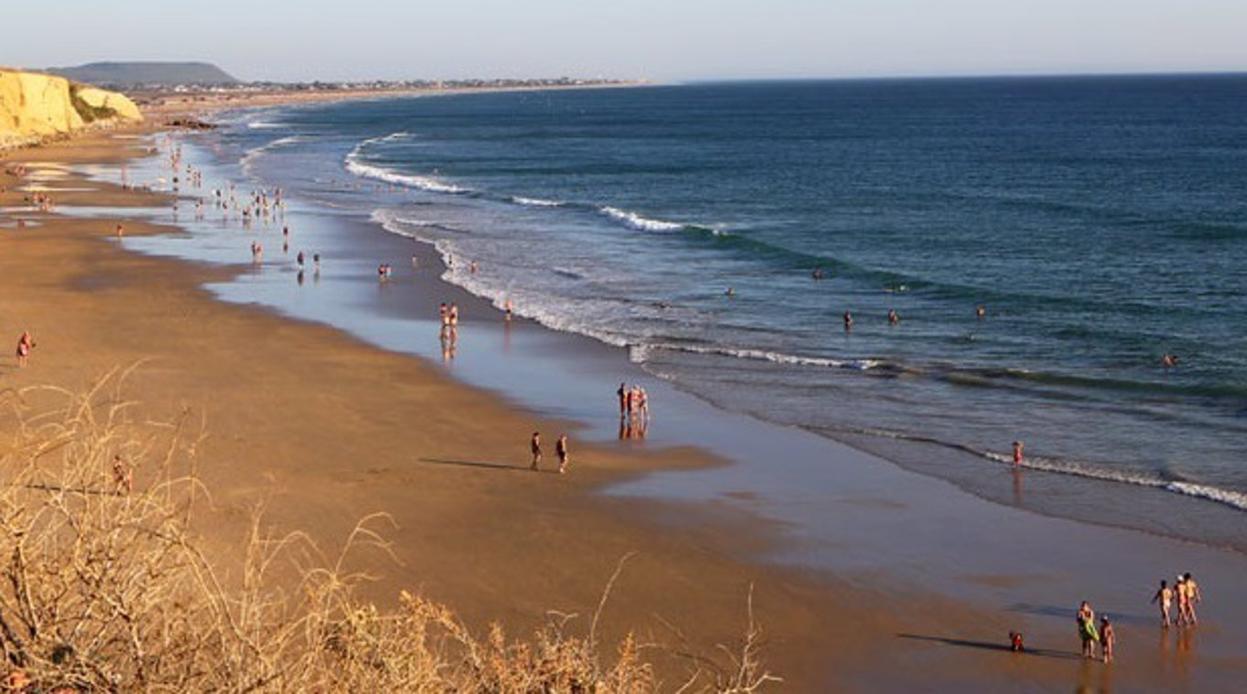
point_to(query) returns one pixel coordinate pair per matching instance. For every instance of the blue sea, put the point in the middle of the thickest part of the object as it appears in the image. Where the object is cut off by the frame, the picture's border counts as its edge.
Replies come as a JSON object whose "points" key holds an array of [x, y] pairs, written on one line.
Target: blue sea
{"points": [[1101, 222]]}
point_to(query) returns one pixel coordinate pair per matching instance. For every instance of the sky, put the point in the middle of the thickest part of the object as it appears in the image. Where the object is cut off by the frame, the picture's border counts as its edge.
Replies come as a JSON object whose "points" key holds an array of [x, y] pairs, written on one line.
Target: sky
{"points": [[662, 40]]}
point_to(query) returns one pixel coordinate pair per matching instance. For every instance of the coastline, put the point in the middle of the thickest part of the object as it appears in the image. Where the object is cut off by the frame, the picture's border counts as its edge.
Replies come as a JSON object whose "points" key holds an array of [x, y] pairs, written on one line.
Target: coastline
{"points": [[941, 616]]}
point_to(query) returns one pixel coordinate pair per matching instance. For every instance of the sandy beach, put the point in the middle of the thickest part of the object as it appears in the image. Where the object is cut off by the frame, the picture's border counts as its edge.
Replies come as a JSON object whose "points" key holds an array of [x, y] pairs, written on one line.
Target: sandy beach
{"points": [[323, 429]]}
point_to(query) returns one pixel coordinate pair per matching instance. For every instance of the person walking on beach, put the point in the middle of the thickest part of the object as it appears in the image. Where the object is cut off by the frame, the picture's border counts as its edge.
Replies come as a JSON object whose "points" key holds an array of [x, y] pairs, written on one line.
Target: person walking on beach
{"points": [[1164, 599], [560, 449], [1184, 603], [1107, 639], [1086, 629], [1193, 596], [535, 445], [121, 230], [25, 344], [623, 400], [1017, 452]]}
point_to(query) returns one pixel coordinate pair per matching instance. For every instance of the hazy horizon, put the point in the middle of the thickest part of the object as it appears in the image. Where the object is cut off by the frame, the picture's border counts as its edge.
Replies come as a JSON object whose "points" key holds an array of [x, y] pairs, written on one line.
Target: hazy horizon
{"points": [[693, 40]]}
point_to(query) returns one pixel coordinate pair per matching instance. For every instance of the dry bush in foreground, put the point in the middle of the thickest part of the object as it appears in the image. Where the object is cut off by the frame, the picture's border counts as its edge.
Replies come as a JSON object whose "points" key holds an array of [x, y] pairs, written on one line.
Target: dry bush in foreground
{"points": [[104, 586]]}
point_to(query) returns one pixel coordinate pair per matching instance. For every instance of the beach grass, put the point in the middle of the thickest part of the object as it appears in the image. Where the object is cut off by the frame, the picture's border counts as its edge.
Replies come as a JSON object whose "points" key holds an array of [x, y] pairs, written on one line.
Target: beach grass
{"points": [[106, 586]]}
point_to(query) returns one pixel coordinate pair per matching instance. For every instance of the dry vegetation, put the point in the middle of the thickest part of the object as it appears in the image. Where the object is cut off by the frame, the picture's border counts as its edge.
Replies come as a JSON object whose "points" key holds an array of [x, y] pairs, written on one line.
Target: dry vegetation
{"points": [[105, 587]]}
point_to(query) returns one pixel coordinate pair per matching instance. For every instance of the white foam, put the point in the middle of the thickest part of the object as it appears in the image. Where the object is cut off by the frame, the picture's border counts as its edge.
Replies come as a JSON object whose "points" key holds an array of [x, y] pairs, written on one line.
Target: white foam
{"points": [[264, 125], [638, 222], [535, 202], [380, 173], [639, 353]]}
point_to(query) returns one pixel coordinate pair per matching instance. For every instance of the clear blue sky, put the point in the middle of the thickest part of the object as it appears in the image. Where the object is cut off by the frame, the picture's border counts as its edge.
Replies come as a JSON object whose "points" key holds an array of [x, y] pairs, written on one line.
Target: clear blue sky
{"points": [[657, 39]]}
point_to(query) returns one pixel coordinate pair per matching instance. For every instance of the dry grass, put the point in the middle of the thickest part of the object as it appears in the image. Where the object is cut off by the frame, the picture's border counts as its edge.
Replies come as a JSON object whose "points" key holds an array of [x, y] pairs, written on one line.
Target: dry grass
{"points": [[104, 586]]}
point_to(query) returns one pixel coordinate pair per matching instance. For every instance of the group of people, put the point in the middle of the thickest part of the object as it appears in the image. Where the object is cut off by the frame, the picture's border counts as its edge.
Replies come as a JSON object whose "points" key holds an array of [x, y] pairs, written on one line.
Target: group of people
{"points": [[1185, 592], [560, 449], [1091, 635], [633, 411]]}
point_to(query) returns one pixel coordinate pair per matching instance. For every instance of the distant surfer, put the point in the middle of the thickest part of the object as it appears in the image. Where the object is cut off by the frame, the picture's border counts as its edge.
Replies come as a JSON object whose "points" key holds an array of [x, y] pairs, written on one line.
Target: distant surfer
{"points": [[817, 274], [1086, 629], [980, 312], [1169, 360], [731, 292]]}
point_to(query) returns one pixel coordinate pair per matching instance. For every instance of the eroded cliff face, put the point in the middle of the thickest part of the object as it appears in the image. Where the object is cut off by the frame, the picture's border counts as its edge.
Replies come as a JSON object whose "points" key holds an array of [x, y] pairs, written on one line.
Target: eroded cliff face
{"points": [[34, 106]]}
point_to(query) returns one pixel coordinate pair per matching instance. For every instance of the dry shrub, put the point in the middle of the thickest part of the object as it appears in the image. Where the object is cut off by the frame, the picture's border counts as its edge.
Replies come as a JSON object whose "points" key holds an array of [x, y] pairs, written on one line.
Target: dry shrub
{"points": [[104, 587]]}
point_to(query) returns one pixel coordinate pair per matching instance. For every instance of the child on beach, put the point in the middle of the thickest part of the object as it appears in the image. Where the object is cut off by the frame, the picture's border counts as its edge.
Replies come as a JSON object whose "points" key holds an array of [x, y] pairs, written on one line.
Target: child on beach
{"points": [[1107, 639], [560, 449], [1164, 598], [535, 446], [1017, 452]]}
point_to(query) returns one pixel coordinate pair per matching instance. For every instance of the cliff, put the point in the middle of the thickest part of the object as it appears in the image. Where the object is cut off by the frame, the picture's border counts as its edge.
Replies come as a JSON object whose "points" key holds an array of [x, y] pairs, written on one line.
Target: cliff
{"points": [[34, 106]]}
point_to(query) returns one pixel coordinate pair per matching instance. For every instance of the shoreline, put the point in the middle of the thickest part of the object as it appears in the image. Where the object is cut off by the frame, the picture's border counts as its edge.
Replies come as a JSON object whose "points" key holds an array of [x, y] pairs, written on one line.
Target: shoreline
{"points": [[957, 609]]}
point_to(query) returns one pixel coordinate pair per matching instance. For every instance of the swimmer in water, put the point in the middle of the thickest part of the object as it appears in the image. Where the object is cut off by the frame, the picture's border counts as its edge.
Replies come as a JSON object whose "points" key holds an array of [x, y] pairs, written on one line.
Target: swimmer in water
{"points": [[817, 274], [848, 321], [980, 311], [730, 292], [893, 317], [1169, 360]]}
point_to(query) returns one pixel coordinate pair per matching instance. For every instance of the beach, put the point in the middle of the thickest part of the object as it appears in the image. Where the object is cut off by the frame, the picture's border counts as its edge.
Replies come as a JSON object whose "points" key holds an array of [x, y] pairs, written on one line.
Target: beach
{"points": [[911, 584]]}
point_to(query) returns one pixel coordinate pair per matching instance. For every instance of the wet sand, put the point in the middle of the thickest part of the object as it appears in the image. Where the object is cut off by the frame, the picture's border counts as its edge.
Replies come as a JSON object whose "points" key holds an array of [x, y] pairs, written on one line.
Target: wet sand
{"points": [[326, 429]]}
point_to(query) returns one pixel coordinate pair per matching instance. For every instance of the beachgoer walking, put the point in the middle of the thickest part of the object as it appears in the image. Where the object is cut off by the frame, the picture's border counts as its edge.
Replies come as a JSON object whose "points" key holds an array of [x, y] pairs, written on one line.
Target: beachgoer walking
{"points": [[1017, 452], [1107, 639], [1193, 596], [1086, 629], [535, 446], [1183, 597], [121, 230], [25, 344], [623, 399], [1164, 599], [454, 315], [560, 449], [316, 263]]}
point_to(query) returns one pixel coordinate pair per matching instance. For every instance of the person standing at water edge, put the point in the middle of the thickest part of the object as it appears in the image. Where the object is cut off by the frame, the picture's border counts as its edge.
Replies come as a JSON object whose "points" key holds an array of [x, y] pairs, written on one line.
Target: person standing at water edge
{"points": [[1017, 452], [534, 445], [560, 449], [623, 399], [1164, 598], [1086, 629]]}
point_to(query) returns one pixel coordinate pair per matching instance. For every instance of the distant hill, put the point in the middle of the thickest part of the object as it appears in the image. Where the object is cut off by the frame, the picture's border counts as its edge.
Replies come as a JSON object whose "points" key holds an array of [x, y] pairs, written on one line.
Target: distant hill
{"points": [[145, 73]]}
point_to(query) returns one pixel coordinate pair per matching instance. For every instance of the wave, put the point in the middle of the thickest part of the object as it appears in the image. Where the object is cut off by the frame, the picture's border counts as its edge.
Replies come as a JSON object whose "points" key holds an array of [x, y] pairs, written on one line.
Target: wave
{"points": [[639, 353], [535, 202], [636, 221], [356, 166], [246, 160], [1073, 468], [265, 125]]}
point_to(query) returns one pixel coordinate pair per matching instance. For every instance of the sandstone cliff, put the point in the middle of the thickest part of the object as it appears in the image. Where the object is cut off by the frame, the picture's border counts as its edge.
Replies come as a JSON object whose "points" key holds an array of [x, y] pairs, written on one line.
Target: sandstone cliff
{"points": [[34, 106]]}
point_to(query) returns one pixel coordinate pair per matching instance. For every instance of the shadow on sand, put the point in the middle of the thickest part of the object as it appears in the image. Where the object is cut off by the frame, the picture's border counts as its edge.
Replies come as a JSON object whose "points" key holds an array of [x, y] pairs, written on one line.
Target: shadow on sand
{"points": [[991, 646], [485, 465]]}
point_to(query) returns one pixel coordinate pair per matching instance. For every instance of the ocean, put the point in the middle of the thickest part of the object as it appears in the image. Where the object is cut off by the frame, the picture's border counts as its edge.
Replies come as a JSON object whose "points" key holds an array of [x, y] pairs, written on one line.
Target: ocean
{"points": [[1101, 222]]}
